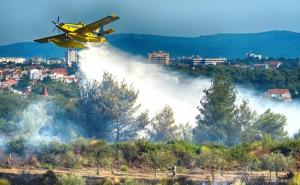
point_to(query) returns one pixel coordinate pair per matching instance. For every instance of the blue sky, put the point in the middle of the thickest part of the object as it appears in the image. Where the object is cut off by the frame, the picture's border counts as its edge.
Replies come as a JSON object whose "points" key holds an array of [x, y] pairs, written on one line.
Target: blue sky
{"points": [[25, 20]]}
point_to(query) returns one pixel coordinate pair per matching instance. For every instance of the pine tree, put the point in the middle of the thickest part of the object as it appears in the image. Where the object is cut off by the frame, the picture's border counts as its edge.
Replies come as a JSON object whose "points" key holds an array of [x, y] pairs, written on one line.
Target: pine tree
{"points": [[215, 123], [163, 125], [110, 109], [272, 124], [244, 119]]}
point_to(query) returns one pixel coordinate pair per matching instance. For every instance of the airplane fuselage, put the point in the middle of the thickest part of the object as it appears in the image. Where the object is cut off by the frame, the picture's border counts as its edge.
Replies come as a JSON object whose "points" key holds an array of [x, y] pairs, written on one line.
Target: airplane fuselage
{"points": [[87, 37]]}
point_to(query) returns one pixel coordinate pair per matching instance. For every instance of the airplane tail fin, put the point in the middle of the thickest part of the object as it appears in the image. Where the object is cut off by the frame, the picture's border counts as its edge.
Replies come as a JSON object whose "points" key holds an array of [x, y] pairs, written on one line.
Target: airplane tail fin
{"points": [[101, 31]]}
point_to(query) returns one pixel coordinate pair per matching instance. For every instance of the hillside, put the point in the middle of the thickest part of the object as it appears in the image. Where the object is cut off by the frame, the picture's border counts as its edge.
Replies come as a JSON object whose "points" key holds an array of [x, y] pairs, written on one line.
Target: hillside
{"points": [[273, 43]]}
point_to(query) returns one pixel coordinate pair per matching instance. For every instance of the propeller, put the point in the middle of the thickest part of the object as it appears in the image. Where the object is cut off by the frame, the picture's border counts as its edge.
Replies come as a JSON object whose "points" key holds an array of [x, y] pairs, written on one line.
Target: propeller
{"points": [[56, 25]]}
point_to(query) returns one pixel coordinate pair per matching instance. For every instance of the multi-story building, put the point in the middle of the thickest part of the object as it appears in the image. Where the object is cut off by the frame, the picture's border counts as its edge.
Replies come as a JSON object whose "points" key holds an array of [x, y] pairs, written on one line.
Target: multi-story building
{"points": [[54, 61], [191, 61], [197, 60], [159, 57], [71, 57], [37, 60], [17, 60], [214, 61]]}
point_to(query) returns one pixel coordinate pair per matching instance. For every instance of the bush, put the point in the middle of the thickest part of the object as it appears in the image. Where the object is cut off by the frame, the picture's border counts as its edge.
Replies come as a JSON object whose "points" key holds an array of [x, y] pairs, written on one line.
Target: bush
{"points": [[159, 159], [108, 182], [112, 181], [295, 180], [185, 153], [17, 146], [132, 182], [47, 166], [168, 182], [50, 178], [4, 182], [71, 180], [72, 160], [124, 168], [238, 182], [130, 152]]}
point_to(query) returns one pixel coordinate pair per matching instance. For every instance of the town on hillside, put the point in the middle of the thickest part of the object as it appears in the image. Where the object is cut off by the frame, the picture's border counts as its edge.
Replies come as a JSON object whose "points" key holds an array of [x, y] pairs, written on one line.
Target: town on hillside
{"points": [[252, 62], [14, 69]]}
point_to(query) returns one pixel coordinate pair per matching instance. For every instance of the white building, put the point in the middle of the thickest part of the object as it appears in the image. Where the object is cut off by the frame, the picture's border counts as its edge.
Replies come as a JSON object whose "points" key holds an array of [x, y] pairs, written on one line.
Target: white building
{"points": [[255, 56], [35, 74], [54, 61], [261, 66], [71, 57], [197, 60], [37, 60], [17, 60], [214, 61]]}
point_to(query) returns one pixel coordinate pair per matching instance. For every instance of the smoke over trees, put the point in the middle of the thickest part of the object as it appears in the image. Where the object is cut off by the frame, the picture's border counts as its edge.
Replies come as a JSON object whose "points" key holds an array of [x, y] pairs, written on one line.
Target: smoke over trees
{"points": [[163, 126], [297, 135], [222, 122], [110, 108]]}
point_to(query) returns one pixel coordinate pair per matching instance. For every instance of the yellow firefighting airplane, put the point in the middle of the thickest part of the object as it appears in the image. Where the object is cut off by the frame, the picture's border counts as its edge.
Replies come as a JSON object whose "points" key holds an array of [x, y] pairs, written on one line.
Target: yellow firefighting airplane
{"points": [[75, 35]]}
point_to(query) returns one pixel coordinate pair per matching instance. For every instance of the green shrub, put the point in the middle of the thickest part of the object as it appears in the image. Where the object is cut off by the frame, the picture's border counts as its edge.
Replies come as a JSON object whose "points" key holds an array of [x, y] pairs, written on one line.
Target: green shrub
{"points": [[238, 182], [47, 166], [130, 151], [17, 146], [165, 181], [124, 168], [4, 182], [72, 160], [71, 180], [50, 178], [295, 180], [108, 182], [133, 182]]}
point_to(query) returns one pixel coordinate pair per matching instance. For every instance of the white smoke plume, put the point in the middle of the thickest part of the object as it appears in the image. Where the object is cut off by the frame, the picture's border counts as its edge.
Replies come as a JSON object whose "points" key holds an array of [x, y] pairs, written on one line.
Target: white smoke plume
{"points": [[39, 123], [158, 87]]}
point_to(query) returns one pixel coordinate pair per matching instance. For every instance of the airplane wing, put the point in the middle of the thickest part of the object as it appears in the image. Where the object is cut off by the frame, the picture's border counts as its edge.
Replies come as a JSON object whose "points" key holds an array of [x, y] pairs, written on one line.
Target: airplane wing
{"points": [[48, 39], [95, 25]]}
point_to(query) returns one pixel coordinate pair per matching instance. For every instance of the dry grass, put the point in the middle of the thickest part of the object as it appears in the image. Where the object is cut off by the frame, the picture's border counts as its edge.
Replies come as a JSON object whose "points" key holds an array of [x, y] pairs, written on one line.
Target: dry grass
{"points": [[195, 175]]}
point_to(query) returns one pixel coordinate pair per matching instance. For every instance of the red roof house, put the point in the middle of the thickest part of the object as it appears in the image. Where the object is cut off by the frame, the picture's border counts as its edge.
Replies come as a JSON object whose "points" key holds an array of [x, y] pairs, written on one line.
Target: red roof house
{"points": [[11, 82], [274, 64], [281, 94], [59, 71]]}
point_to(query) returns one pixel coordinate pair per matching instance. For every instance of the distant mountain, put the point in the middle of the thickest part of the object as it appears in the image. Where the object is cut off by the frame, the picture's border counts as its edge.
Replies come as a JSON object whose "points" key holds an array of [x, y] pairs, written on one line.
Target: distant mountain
{"points": [[273, 43], [30, 49]]}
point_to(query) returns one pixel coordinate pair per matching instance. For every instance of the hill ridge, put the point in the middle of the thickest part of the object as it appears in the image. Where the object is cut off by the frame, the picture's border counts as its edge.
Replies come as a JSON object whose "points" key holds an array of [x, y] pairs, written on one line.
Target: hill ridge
{"points": [[231, 45]]}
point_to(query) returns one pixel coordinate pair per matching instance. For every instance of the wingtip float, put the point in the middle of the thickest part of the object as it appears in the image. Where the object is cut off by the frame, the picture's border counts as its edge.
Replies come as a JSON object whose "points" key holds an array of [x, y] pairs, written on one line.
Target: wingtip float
{"points": [[77, 34]]}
